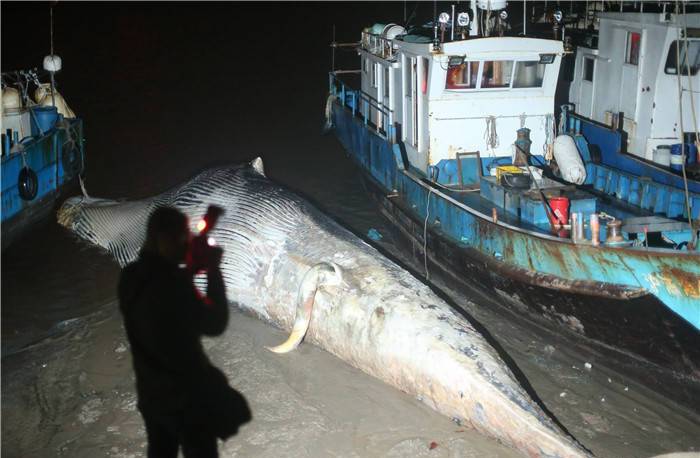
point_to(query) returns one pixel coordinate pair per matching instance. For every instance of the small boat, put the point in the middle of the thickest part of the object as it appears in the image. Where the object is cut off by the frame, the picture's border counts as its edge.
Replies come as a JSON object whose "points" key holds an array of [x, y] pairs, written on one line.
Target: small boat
{"points": [[42, 149], [456, 133]]}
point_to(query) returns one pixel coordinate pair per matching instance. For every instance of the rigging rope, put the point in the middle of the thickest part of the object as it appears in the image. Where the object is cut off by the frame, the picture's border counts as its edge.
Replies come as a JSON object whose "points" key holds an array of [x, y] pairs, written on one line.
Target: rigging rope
{"points": [[425, 235], [550, 134], [491, 134]]}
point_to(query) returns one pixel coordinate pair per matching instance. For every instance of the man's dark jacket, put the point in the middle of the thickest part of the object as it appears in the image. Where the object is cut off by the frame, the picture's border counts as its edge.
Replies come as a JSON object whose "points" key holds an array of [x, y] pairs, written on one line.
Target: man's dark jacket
{"points": [[165, 317]]}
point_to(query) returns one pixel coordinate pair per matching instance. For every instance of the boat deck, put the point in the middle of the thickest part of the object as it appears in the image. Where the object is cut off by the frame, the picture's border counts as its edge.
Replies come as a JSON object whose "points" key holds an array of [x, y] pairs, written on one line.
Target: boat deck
{"points": [[586, 199]]}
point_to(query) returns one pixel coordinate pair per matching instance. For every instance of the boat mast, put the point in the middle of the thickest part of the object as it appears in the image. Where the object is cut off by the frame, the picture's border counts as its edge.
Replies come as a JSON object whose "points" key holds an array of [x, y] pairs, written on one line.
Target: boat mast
{"points": [[53, 81]]}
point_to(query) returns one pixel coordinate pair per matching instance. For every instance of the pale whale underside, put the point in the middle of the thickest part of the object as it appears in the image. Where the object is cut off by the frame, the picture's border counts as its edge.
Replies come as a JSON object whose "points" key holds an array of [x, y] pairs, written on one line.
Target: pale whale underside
{"points": [[365, 309]]}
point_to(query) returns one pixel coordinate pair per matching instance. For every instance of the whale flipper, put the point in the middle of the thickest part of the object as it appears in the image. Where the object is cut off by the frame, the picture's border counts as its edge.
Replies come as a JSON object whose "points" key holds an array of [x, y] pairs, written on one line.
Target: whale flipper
{"points": [[319, 275]]}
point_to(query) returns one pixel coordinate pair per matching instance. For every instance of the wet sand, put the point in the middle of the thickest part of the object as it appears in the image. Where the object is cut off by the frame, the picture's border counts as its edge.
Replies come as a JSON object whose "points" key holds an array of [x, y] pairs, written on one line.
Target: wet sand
{"points": [[69, 390], [73, 395]]}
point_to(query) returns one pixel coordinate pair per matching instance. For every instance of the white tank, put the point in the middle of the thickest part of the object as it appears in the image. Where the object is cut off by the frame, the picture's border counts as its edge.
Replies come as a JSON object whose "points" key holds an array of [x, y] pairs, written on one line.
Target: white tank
{"points": [[662, 155], [10, 99], [42, 95], [391, 31], [569, 160]]}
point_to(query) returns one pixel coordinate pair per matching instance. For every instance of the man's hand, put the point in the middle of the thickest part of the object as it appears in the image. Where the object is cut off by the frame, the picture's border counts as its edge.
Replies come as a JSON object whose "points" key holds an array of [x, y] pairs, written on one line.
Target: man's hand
{"points": [[214, 257]]}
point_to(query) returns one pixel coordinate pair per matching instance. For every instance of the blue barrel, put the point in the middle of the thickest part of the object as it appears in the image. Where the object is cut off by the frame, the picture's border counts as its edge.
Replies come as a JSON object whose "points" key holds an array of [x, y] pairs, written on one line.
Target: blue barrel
{"points": [[677, 158], [43, 119]]}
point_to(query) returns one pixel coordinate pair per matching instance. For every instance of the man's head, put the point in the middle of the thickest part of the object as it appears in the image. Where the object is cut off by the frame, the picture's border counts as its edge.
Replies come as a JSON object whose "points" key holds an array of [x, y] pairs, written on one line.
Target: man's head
{"points": [[168, 234]]}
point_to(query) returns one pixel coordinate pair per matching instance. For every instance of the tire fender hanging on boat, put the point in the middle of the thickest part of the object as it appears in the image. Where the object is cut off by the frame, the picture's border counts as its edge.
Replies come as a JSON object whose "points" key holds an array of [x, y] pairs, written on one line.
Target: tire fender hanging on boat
{"points": [[28, 183]]}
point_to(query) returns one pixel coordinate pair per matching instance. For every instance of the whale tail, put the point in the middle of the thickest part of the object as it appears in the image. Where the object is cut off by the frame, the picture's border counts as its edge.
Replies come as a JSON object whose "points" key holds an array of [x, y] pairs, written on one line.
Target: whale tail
{"points": [[321, 274]]}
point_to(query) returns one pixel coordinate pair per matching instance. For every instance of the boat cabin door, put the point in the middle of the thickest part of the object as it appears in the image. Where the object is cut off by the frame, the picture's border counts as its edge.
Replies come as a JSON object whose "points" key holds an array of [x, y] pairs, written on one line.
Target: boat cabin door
{"points": [[630, 73], [587, 92]]}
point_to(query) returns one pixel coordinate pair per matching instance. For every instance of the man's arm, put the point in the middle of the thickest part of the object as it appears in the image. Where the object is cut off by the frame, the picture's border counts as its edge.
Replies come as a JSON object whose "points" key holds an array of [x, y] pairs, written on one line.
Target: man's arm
{"points": [[215, 318]]}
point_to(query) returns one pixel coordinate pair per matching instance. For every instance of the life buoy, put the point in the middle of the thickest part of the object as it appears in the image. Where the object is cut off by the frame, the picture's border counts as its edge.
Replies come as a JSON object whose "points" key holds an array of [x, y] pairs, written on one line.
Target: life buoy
{"points": [[70, 159], [28, 183]]}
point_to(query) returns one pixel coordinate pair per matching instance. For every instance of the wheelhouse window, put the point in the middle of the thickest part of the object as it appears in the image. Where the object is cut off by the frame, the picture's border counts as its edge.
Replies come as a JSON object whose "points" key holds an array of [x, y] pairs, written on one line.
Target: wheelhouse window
{"points": [[588, 68], [689, 56], [529, 73], [634, 40], [496, 74], [425, 63], [464, 76], [375, 74]]}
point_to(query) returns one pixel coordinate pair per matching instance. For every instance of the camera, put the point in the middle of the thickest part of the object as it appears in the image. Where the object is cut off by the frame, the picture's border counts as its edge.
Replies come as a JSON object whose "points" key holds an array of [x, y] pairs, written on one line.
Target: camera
{"points": [[204, 253]]}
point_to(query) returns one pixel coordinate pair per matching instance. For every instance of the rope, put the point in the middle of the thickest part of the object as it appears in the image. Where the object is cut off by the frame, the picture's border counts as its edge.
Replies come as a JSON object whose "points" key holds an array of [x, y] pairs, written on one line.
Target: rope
{"points": [[550, 134], [560, 127], [82, 187], [491, 134], [425, 236], [329, 112]]}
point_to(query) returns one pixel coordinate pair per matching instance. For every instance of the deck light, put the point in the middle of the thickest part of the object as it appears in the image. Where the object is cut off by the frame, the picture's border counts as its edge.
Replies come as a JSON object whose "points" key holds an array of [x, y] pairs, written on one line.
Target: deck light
{"points": [[546, 58], [444, 18], [455, 61]]}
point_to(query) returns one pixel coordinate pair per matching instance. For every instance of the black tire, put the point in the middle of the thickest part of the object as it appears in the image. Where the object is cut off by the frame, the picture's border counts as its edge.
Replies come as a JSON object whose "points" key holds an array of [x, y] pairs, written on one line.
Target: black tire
{"points": [[28, 183]]}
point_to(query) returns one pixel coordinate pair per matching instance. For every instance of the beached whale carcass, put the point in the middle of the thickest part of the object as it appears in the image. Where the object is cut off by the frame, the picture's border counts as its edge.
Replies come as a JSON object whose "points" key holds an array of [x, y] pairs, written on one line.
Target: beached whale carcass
{"points": [[285, 261]]}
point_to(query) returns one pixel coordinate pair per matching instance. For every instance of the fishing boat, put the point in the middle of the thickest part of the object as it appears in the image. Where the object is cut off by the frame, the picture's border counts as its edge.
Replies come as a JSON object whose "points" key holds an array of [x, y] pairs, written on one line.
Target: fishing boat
{"points": [[644, 125], [42, 148], [457, 136]]}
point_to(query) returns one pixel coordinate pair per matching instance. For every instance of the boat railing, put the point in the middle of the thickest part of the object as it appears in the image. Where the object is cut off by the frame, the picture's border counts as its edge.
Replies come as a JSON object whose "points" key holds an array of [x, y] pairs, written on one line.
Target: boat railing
{"points": [[378, 45], [374, 114]]}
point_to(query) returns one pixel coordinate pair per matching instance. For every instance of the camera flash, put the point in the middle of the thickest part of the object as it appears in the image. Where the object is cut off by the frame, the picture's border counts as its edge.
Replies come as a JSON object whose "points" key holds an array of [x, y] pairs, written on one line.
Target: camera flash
{"points": [[211, 241]]}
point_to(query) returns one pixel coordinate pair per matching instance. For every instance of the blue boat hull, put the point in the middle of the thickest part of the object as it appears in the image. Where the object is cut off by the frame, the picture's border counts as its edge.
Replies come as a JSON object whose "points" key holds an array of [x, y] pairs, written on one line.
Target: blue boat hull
{"points": [[573, 289], [57, 159]]}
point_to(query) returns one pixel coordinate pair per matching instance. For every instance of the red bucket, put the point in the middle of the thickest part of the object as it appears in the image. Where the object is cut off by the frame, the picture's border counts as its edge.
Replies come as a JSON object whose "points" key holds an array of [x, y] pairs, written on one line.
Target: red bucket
{"points": [[560, 207]]}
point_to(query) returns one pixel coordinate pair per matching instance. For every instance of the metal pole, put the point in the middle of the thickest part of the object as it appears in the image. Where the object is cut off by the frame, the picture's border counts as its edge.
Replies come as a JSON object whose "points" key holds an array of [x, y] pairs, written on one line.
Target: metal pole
{"points": [[524, 17], [452, 30], [53, 81]]}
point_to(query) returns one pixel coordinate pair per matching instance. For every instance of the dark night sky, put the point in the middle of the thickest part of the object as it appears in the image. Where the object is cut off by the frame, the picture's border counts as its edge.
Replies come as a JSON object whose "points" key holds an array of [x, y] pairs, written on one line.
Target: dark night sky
{"points": [[170, 88]]}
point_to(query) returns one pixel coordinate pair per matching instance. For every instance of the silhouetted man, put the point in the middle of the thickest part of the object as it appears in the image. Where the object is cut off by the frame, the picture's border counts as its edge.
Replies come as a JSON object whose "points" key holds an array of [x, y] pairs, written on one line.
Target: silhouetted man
{"points": [[183, 399]]}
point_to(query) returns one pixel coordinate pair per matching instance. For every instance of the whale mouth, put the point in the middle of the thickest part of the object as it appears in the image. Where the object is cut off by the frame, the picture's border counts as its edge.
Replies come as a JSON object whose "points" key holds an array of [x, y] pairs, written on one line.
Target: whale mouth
{"points": [[69, 211], [73, 207]]}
